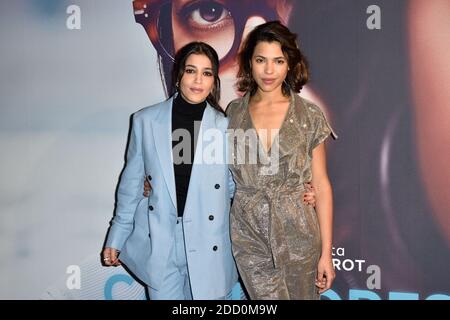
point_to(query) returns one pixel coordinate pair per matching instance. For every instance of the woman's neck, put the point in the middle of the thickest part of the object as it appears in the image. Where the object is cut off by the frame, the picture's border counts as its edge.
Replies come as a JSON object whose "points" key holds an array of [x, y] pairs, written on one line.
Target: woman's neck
{"points": [[269, 97], [187, 109], [184, 101]]}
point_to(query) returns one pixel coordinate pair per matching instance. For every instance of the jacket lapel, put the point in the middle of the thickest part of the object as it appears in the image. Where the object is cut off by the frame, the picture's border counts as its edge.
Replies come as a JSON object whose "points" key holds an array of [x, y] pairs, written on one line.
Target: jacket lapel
{"points": [[162, 133], [199, 172]]}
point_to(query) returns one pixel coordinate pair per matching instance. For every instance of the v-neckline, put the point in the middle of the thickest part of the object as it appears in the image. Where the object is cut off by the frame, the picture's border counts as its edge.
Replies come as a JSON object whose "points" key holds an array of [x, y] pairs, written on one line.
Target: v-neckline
{"points": [[286, 115]]}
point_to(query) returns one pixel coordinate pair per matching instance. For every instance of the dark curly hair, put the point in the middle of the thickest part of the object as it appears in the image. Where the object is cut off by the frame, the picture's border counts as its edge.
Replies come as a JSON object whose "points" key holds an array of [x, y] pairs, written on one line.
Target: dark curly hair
{"points": [[297, 75], [183, 54]]}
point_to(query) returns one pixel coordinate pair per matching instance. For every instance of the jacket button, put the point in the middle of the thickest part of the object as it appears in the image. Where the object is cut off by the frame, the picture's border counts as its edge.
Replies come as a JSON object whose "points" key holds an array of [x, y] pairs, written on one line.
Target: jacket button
{"points": [[215, 248], [149, 178], [217, 186], [211, 217], [150, 208]]}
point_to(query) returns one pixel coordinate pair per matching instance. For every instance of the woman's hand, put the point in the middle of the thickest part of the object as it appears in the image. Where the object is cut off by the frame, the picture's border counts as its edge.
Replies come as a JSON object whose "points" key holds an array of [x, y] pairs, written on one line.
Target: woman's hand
{"points": [[147, 187], [110, 257], [309, 197], [325, 274]]}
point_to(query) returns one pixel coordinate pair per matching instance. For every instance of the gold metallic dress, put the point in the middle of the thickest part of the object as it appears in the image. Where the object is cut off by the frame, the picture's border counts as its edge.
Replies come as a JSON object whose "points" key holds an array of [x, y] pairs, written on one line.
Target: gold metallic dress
{"points": [[275, 236]]}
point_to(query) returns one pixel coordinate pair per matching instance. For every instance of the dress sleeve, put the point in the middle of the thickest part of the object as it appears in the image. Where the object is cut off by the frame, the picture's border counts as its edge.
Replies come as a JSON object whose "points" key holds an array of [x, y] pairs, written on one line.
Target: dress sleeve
{"points": [[322, 129], [234, 108]]}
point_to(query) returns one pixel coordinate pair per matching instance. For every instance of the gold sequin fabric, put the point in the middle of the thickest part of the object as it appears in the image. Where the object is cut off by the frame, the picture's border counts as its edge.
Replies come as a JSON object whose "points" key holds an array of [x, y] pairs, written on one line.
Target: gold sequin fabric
{"points": [[275, 236]]}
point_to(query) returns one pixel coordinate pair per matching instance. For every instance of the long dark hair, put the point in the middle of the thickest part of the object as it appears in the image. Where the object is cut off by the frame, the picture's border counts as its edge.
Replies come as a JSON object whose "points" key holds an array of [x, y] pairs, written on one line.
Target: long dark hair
{"points": [[297, 75], [180, 64]]}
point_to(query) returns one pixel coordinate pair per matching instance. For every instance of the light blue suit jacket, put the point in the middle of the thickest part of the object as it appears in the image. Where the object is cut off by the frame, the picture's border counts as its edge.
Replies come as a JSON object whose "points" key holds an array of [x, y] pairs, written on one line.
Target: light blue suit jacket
{"points": [[143, 228]]}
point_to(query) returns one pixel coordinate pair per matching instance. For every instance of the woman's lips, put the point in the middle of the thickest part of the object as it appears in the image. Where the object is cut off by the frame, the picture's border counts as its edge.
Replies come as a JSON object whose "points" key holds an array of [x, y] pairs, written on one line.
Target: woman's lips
{"points": [[268, 81], [196, 90]]}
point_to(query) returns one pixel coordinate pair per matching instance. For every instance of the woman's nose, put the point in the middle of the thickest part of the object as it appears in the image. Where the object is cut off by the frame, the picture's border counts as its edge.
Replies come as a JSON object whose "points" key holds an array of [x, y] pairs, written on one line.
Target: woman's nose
{"points": [[198, 78], [268, 67]]}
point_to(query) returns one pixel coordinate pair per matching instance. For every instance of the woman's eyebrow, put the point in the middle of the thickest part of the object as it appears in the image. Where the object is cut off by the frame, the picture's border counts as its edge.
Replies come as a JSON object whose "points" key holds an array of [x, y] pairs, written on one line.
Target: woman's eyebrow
{"points": [[275, 58], [195, 67]]}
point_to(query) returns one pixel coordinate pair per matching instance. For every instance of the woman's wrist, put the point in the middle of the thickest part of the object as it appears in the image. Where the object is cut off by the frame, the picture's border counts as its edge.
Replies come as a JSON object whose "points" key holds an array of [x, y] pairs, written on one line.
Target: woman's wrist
{"points": [[326, 252]]}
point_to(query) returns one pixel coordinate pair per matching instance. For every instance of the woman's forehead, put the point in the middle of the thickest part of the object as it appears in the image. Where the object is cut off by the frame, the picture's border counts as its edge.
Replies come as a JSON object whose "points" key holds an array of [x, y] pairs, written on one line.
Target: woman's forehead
{"points": [[199, 60], [272, 48]]}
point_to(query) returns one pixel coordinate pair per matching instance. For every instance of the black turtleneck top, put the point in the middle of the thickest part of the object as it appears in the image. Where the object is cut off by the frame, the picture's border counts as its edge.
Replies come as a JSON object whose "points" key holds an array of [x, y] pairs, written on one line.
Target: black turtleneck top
{"points": [[184, 116]]}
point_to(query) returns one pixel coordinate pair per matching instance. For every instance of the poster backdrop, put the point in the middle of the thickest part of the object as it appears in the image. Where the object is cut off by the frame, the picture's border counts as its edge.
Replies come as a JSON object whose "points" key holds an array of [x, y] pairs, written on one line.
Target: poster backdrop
{"points": [[72, 73]]}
